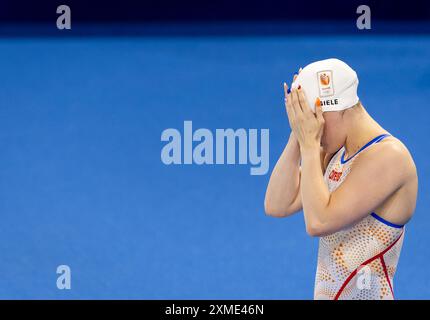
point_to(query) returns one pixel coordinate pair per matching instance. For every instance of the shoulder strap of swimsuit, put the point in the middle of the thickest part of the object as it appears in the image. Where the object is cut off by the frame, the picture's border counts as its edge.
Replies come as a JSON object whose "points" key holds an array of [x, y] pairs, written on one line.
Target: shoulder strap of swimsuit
{"points": [[373, 141]]}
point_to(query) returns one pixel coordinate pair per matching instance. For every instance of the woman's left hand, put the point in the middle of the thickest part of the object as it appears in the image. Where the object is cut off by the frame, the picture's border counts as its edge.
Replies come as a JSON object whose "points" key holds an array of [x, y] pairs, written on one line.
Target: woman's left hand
{"points": [[307, 126]]}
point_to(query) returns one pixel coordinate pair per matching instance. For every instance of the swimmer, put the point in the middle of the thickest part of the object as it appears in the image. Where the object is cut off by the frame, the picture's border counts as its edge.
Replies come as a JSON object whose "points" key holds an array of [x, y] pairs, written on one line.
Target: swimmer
{"points": [[355, 183]]}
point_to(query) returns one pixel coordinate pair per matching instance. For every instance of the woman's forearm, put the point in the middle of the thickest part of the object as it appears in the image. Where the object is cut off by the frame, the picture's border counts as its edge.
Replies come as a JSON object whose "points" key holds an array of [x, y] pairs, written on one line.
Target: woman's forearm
{"points": [[314, 192], [284, 185]]}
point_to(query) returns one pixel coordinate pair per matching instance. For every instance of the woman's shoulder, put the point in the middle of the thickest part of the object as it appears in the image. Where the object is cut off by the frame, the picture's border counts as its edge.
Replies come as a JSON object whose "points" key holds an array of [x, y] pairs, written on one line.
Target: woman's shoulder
{"points": [[391, 151]]}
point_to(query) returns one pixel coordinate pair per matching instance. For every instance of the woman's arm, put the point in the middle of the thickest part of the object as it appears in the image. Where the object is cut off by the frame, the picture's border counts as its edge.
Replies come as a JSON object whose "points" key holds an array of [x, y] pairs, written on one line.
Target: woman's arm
{"points": [[283, 192], [367, 186]]}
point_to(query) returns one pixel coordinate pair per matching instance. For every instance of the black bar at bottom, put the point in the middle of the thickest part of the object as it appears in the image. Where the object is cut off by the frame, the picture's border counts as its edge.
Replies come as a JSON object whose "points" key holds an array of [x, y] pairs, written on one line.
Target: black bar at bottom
{"points": [[207, 309]]}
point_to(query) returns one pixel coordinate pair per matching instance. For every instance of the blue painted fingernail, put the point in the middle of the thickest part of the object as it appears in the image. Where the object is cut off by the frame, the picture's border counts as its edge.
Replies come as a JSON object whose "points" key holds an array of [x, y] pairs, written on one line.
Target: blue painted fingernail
{"points": [[288, 90]]}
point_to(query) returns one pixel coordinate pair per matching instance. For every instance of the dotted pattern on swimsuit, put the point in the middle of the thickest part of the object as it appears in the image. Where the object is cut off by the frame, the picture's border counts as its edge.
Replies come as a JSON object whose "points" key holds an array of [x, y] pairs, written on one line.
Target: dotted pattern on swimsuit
{"points": [[341, 253]]}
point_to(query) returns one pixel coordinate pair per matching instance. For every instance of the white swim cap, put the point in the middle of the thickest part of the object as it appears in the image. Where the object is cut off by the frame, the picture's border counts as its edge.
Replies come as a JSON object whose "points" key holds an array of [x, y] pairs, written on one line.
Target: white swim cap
{"points": [[330, 83]]}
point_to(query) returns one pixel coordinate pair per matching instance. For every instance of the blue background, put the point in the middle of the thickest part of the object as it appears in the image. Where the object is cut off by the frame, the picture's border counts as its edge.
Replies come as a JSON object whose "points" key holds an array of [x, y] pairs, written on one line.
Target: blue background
{"points": [[82, 183]]}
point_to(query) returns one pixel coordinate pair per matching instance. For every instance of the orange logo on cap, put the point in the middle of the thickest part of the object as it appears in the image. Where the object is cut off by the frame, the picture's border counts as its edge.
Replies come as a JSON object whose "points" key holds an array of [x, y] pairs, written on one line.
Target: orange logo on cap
{"points": [[324, 79]]}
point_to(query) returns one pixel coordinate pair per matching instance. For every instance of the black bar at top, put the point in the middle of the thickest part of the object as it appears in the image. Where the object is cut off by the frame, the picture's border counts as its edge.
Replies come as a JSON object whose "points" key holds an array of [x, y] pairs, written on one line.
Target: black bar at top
{"points": [[141, 11]]}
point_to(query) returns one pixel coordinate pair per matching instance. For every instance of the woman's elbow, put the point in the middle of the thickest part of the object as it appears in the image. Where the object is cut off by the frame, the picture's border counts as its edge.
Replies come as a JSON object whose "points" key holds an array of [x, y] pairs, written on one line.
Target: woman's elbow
{"points": [[275, 211], [315, 229]]}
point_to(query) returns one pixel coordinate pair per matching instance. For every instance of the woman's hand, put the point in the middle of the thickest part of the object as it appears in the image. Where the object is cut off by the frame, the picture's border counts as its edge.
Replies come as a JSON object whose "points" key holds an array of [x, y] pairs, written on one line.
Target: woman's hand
{"points": [[306, 126]]}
